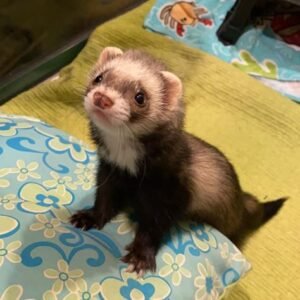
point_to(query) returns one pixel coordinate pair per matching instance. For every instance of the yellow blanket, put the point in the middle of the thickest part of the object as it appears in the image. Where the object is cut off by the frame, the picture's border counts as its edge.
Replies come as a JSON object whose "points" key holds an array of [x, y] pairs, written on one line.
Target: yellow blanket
{"points": [[258, 129]]}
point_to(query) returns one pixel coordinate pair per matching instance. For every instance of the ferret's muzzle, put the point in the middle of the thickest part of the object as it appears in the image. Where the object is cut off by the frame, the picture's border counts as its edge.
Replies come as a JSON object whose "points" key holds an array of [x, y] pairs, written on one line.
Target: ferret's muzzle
{"points": [[102, 101]]}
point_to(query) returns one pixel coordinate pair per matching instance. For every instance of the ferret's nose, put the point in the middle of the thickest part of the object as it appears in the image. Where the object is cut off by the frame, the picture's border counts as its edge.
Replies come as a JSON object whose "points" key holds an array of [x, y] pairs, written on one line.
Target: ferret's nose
{"points": [[102, 101]]}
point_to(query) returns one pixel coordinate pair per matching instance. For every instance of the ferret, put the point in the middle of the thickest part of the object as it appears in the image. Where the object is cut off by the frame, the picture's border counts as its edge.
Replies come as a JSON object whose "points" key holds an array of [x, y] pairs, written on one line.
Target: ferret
{"points": [[151, 165]]}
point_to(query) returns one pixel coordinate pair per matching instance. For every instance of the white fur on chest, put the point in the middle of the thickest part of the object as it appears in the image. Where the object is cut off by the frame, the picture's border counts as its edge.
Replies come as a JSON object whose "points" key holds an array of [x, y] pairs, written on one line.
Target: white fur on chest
{"points": [[123, 152]]}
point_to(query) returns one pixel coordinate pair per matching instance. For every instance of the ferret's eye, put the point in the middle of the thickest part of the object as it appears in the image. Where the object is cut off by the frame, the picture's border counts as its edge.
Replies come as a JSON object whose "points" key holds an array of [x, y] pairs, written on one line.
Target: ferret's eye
{"points": [[140, 98], [98, 79]]}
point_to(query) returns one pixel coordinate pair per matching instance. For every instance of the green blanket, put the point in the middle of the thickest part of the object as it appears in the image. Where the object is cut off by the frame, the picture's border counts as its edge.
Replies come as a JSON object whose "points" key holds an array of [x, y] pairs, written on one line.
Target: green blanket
{"points": [[258, 129]]}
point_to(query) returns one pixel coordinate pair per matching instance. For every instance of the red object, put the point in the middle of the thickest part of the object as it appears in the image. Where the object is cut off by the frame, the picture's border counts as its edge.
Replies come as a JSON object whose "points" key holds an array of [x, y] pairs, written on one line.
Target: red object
{"points": [[206, 22], [179, 29], [287, 27]]}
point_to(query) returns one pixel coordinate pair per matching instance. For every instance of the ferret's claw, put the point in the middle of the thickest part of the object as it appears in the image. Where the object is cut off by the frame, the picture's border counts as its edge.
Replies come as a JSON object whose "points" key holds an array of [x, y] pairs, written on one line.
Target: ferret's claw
{"points": [[85, 220], [130, 268], [141, 274]]}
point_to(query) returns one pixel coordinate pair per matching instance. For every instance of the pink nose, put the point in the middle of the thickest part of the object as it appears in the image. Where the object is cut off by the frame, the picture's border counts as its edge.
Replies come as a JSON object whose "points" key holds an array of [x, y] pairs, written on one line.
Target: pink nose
{"points": [[102, 101]]}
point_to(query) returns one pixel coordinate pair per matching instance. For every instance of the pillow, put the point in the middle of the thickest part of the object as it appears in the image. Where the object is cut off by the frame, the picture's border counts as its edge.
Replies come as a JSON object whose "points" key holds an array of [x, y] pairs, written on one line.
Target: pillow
{"points": [[45, 176]]}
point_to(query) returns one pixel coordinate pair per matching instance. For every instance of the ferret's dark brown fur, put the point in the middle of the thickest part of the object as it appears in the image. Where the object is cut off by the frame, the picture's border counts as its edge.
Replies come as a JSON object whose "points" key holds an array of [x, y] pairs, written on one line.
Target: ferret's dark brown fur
{"points": [[150, 164]]}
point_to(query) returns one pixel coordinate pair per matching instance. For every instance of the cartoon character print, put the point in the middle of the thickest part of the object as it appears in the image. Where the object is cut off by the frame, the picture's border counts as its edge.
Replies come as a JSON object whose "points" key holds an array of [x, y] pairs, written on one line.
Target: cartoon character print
{"points": [[183, 13]]}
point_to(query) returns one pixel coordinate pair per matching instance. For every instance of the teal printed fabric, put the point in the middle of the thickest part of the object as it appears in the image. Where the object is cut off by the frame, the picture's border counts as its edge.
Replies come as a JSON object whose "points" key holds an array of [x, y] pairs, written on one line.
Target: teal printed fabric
{"points": [[261, 51], [45, 176]]}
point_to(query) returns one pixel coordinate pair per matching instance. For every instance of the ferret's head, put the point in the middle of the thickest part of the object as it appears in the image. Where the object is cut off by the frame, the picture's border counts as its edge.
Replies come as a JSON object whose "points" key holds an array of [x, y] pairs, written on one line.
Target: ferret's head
{"points": [[132, 90]]}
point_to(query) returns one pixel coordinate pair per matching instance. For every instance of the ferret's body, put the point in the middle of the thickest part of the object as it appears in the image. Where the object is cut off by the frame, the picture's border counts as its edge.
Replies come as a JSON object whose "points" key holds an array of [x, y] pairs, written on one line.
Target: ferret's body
{"points": [[150, 164]]}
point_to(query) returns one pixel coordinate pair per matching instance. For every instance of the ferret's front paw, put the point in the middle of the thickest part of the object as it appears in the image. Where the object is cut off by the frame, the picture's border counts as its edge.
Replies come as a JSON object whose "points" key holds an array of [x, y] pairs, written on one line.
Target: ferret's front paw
{"points": [[85, 219], [140, 261]]}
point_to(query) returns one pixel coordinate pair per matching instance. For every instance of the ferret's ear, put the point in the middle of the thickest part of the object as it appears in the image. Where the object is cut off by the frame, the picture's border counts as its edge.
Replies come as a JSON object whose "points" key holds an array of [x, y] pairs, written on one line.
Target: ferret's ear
{"points": [[109, 53], [173, 87]]}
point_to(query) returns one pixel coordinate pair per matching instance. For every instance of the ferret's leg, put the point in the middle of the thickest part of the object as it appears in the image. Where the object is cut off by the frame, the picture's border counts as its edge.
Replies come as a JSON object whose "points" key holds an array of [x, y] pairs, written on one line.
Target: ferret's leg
{"points": [[154, 221], [104, 209], [97, 216], [143, 249]]}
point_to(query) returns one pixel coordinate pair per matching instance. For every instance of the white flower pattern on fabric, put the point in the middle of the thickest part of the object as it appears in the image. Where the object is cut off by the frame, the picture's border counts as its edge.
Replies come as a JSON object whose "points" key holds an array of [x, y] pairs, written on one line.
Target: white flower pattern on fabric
{"points": [[8, 252], [13, 292], [85, 181], [50, 295], [175, 267], [126, 226], [84, 169], [9, 201], [10, 127], [4, 172], [85, 293], [128, 287], [230, 257], [8, 225], [224, 250], [60, 183], [208, 283], [37, 199], [49, 227], [202, 236], [237, 255], [24, 172], [74, 147], [63, 277], [4, 183]]}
